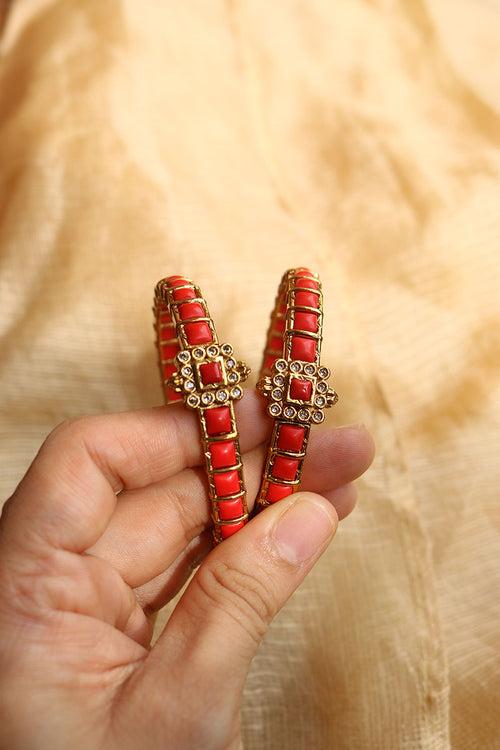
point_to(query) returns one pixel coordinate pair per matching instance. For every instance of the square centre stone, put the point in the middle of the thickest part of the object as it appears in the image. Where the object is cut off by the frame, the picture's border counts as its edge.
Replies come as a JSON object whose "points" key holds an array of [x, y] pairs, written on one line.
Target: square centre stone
{"points": [[300, 389], [211, 373]]}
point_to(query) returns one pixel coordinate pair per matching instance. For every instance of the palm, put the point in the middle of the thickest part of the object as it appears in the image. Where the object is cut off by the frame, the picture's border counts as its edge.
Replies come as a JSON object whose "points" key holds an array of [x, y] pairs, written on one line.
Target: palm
{"points": [[129, 501]]}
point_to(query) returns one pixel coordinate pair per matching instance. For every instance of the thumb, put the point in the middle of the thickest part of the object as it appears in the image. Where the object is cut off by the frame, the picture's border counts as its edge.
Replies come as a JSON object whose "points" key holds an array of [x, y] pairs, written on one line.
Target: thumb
{"points": [[228, 605]]}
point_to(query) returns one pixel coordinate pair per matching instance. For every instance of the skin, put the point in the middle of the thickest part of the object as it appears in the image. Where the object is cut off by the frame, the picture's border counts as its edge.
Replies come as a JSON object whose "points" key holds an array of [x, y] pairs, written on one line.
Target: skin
{"points": [[105, 527]]}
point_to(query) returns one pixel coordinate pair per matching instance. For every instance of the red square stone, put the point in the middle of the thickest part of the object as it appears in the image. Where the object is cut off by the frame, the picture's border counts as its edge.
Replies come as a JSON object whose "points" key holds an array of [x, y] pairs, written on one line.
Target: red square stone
{"points": [[211, 372], [198, 333], [172, 395], [310, 283], [174, 281], [303, 349], [307, 299], [269, 361], [291, 438], [218, 420], [191, 310], [277, 492], [280, 325], [229, 509], [305, 321], [285, 468], [227, 483], [164, 317], [187, 293], [276, 343], [303, 272], [167, 333], [229, 529], [168, 351], [223, 454], [168, 369], [300, 389]]}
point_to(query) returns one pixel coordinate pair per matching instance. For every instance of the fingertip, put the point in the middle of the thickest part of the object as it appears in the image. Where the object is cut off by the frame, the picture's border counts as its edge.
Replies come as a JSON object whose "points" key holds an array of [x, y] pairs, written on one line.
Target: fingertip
{"points": [[306, 522], [343, 499], [363, 439], [356, 441], [341, 454], [320, 502]]}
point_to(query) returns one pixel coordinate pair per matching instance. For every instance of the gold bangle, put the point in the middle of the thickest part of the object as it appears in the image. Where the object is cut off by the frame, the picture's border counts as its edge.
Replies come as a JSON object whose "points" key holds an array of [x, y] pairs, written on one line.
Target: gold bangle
{"points": [[294, 381], [204, 374]]}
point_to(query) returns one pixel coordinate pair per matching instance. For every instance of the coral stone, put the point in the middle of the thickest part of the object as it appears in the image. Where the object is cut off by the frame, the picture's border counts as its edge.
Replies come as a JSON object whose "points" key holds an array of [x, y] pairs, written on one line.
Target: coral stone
{"points": [[285, 468], [218, 420], [211, 372], [301, 389]]}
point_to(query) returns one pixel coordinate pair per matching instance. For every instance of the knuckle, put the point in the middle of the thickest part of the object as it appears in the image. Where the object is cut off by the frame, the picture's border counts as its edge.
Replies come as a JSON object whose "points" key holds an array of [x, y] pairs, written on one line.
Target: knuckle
{"points": [[66, 431], [191, 516], [246, 597], [24, 582]]}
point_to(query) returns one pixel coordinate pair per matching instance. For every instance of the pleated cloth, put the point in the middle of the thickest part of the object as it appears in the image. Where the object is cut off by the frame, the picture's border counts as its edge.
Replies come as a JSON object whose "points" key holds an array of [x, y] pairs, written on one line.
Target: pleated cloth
{"points": [[229, 141]]}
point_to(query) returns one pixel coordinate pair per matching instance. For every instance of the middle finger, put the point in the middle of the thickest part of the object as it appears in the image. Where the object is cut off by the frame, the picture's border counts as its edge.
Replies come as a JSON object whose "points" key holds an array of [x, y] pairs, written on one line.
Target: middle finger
{"points": [[152, 526]]}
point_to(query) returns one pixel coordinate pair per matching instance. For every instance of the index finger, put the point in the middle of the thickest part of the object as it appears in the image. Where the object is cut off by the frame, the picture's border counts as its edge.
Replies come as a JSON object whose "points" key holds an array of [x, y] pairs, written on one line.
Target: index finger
{"points": [[69, 492]]}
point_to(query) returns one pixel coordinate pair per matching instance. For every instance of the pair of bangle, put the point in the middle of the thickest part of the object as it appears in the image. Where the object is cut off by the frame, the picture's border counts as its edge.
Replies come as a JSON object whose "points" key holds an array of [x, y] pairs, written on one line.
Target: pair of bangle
{"points": [[205, 375]]}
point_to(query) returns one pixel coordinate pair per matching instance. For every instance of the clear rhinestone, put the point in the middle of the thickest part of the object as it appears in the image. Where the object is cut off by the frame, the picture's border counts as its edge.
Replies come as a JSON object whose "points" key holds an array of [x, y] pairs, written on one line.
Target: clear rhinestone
{"points": [[309, 369], [322, 387], [277, 394], [187, 371], [233, 377], [295, 366], [230, 363], [324, 372], [198, 353], [280, 365], [318, 416], [274, 410], [207, 398], [193, 400], [213, 350], [227, 349], [320, 400], [289, 412], [222, 396], [183, 356], [304, 415], [189, 385], [279, 380], [236, 392]]}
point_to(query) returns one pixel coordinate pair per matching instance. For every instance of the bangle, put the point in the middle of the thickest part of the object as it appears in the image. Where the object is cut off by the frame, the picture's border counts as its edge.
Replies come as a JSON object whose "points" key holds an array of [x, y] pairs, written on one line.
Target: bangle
{"points": [[204, 374], [293, 380]]}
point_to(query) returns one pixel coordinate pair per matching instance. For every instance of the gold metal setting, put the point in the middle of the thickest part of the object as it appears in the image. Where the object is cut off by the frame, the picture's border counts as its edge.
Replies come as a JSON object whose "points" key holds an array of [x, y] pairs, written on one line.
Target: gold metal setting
{"points": [[277, 386], [187, 380], [275, 381]]}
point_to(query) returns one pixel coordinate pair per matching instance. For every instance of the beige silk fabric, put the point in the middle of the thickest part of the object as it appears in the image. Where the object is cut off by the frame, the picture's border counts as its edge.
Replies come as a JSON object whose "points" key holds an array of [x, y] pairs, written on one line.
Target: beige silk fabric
{"points": [[229, 141]]}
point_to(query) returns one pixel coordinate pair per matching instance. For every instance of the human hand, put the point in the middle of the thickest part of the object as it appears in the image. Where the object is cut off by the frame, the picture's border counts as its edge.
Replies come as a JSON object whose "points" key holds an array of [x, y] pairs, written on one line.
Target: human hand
{"points": [[104, 529]]}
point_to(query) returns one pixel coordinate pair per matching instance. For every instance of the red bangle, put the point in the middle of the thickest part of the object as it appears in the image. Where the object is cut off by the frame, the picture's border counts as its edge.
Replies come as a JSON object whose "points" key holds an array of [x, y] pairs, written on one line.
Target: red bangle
{"points": [[293, 380], [202, 373]]}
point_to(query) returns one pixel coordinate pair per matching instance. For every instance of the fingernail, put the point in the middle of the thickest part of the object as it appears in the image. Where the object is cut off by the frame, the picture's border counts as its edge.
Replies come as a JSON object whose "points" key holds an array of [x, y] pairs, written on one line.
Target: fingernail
{"points": [[303, 529]]}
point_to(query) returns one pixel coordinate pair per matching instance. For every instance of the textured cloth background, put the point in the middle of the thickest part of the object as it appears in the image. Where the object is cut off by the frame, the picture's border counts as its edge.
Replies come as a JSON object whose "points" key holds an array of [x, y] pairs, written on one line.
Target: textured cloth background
{"points": [[229, 141]]}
